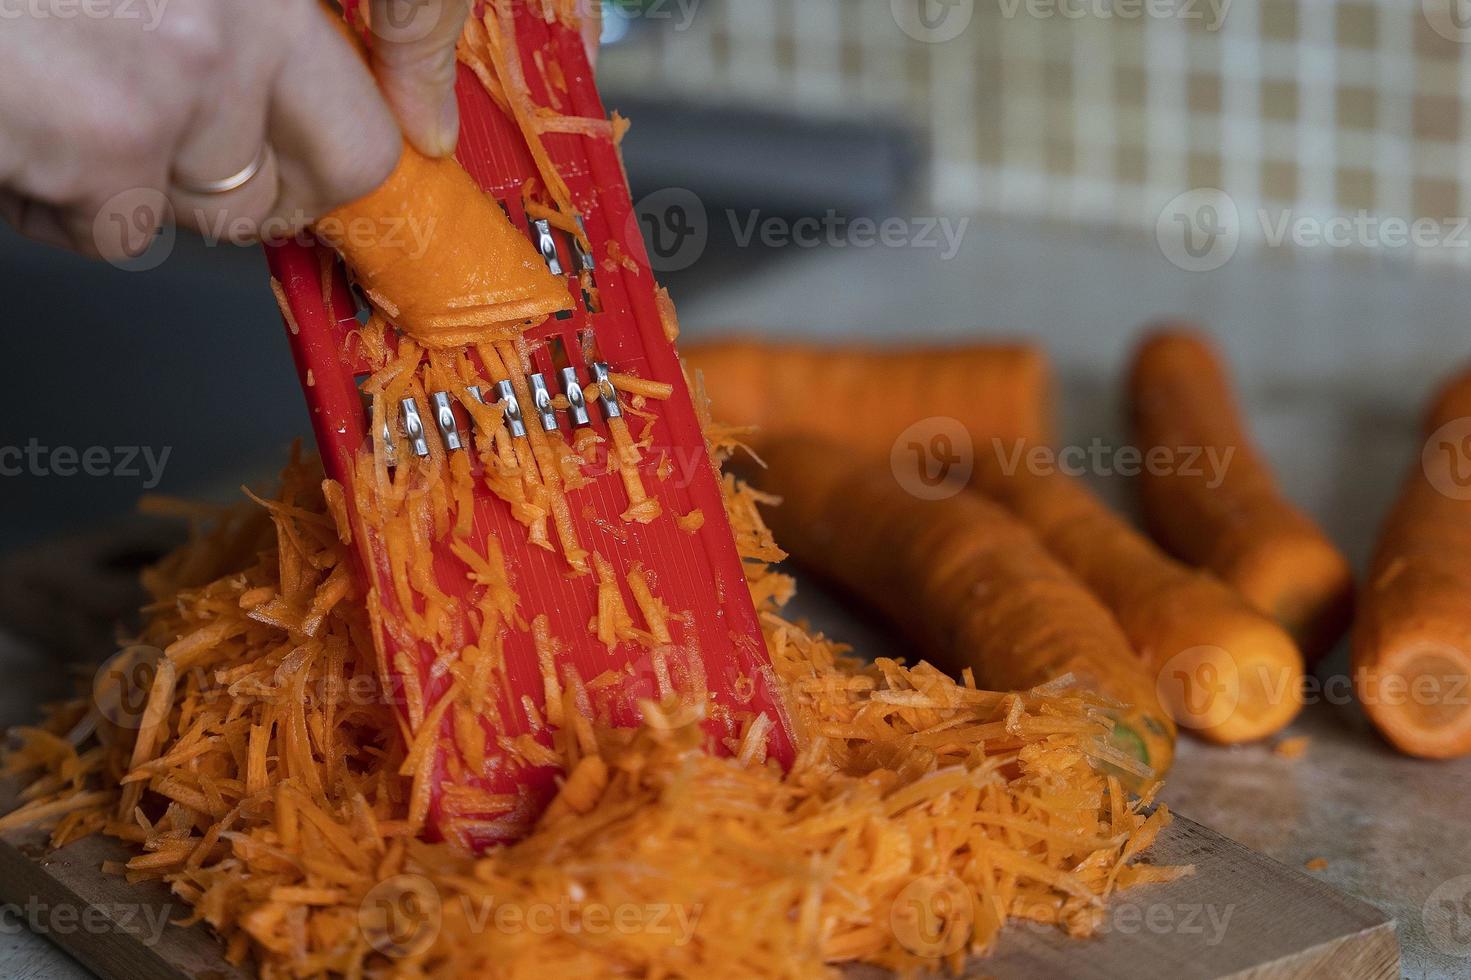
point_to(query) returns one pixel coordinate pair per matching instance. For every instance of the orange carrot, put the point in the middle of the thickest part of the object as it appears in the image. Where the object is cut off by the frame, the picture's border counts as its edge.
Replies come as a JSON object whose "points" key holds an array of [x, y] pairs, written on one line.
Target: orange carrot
{"points": [[972, 586], [1412, 637], [1222, 669], [1229, 516], [867, 397], [438, 255]]}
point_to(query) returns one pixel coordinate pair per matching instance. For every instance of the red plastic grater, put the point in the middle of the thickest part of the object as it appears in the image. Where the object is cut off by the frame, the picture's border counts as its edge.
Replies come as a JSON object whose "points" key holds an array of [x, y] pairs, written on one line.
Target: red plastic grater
{"points": [[697, 575]]}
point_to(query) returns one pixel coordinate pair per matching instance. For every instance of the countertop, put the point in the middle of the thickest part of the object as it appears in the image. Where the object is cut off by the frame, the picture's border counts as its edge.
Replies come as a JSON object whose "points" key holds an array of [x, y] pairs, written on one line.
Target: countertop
{"points": [[1334, 355]]}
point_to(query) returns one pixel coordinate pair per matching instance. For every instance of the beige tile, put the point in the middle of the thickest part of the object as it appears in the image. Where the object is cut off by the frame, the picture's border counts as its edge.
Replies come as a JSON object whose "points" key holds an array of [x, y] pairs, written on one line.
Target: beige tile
{"points": [[1279, 100], [1436, 117], [1439, 199], [1429, 43], [1356, 108], [1279, 180], [1130, 164], [1278, 20], [1129, 85], [1203, 170], [1357, 25], [1355, 189], [1059, 156], [1203, 93], [1057, 80]]}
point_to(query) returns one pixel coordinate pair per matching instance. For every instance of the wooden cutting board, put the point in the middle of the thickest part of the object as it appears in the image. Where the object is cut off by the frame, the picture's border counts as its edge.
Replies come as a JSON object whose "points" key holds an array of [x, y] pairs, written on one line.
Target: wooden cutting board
{"points": [[1240, 915]]}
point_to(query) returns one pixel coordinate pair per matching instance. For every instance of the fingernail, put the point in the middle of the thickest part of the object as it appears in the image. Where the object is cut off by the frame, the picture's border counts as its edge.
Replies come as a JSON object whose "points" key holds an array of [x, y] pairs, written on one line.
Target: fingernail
{"points": [[447, 128]]}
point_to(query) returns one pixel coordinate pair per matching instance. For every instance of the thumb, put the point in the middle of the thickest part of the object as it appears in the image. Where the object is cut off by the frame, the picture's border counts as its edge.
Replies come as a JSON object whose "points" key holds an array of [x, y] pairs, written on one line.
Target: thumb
{"points": [[414, 59]]}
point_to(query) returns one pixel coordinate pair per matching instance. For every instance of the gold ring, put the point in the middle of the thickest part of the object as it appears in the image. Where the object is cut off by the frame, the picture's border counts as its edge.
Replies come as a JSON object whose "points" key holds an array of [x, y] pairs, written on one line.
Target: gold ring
{"points": [[226, 184]]}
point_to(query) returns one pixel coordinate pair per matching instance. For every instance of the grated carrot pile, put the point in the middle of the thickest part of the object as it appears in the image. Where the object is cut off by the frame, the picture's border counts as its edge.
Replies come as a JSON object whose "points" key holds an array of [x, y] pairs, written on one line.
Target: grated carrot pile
{"points": [[270, 783]]}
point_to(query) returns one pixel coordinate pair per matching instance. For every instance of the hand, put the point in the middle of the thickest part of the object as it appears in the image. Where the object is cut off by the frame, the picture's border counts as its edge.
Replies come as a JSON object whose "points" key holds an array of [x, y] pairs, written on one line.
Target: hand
{"points": [[104, 113]]}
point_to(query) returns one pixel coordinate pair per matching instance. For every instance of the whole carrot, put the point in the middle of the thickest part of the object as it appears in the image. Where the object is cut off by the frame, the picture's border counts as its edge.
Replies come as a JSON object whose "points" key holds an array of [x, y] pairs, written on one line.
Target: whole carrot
{"points": [[1222, 668], [1412, 637], [968, 582], [1229, 516], [866, 397]]}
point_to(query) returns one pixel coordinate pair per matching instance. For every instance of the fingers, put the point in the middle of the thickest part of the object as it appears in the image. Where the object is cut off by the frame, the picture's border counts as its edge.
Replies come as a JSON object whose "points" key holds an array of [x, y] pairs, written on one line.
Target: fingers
{"points": [[36, 221], [414, 59], [334, 138], [592, 29], [227, 136], [120, 227]]}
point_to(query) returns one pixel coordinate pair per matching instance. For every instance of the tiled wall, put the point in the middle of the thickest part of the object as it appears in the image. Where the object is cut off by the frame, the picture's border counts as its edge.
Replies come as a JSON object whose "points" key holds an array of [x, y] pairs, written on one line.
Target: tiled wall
{"points": [[1104, 111]]}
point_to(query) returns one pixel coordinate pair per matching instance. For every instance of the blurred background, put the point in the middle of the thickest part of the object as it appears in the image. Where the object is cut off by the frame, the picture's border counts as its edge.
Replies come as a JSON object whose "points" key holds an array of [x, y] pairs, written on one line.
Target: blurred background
{"points": [[1291, 172], [1294, 174]]}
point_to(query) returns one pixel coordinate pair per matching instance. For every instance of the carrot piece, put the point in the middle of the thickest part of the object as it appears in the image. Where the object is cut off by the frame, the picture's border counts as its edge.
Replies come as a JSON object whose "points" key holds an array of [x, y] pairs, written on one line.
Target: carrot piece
{"points": [[866, 397], [1223, 669], [437, 255], [1230, 517], [440, 258], [970, 583], [1412, 638]]}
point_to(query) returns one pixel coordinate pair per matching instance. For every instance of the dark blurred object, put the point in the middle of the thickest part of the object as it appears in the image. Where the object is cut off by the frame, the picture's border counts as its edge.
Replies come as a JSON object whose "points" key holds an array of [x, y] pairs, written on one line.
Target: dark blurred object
{"points": [[181, 374], [71, 595], [747, 158]]}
